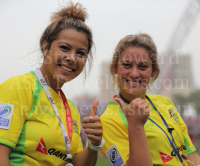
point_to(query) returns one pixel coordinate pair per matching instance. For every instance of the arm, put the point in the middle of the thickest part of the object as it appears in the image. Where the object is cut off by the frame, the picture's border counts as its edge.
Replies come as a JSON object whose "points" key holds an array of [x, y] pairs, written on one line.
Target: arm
{"points": [[139, 150], [93, 129], [137, 113], [194, 157], [4, 155], [86, 157], [94, 133], [11, 97]]}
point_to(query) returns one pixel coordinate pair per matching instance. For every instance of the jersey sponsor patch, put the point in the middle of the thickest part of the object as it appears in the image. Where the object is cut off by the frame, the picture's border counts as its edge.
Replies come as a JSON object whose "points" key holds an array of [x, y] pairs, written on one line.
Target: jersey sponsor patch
{"points": [[75, 124], [58, 154], [165, 158], [6, 111], [172, 112], [114, 156], [174, 115], [42, 147]]}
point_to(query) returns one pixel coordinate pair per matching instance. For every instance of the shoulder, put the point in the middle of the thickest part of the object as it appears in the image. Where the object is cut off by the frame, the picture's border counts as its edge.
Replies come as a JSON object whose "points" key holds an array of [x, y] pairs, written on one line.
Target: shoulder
{"points": [[111, 108], [73, 108], [112, 111], [18, 91], [71, 104], [160, 99], [19, 82]]}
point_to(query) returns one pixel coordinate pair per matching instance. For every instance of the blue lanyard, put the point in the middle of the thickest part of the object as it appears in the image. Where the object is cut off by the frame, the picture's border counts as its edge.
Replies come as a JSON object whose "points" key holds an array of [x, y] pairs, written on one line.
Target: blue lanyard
{"points": [[172, 142]]}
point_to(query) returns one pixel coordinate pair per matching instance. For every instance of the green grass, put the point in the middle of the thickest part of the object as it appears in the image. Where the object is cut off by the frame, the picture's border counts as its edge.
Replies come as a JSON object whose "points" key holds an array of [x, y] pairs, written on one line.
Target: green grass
{"points": [[103, 161]]}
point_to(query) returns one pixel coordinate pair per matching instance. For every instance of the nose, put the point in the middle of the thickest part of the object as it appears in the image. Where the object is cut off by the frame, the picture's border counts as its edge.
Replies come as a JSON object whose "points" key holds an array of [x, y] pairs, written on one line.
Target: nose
{"points": [[135, 73], [71, 57]]}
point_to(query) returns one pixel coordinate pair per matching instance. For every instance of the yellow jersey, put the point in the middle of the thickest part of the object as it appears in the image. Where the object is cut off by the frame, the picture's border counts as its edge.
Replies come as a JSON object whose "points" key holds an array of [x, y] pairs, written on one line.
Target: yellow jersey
{"points": [[115, 133], [29, 125]]}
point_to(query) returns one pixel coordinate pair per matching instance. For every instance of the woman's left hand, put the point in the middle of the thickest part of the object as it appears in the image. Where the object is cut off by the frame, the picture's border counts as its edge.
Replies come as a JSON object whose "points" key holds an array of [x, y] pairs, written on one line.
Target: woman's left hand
{"points": [[92, 126]]}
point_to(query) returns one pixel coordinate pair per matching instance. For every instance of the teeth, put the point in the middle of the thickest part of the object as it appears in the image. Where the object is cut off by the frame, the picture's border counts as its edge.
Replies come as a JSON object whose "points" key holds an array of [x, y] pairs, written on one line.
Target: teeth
{"points": [[131, 82], [65, 68]]}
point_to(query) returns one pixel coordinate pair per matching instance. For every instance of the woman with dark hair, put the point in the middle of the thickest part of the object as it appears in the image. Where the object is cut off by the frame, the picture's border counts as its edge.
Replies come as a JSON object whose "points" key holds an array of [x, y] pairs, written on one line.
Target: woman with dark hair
{"points": [[38, 125]]}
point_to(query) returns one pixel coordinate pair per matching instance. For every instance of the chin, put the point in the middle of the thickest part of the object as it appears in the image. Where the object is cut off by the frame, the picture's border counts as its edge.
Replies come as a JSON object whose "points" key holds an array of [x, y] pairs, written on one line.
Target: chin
{"points": [[65, 80], [136, 92]]}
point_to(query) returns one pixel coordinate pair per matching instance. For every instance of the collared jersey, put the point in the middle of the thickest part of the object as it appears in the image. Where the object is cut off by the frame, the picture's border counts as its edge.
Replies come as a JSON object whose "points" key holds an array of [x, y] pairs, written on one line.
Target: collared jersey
{"points": [[34, 134], [115, 132]]}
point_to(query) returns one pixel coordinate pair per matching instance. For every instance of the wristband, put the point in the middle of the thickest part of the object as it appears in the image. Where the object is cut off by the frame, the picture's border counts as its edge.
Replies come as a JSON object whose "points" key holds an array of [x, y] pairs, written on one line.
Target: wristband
{"points": [[95, 148]]}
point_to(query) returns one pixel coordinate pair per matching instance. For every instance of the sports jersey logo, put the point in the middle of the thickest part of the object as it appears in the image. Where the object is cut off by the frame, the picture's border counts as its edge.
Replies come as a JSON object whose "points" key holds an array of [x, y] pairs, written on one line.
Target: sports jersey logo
{"points": [[172, 112], [113, 155], [5, 111], [75, 124], [165, 158], [42, 147], [58, 154]]}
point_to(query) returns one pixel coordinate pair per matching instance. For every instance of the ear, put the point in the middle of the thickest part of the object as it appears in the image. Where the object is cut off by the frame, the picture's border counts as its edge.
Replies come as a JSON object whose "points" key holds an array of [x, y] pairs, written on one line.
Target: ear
{"points": [[154, 74], [44, 48], [115, 69]]}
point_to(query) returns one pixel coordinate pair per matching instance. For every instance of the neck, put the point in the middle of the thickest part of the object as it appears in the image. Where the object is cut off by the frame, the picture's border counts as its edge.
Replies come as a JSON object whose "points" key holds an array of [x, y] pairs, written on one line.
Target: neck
{"points": [[129, 97], [51, 80]]}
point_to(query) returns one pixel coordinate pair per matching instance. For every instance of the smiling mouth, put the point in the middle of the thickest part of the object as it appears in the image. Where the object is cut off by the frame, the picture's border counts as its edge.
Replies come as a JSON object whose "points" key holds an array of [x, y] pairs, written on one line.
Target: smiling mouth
{"points": [[66, 68], [134, 82]]}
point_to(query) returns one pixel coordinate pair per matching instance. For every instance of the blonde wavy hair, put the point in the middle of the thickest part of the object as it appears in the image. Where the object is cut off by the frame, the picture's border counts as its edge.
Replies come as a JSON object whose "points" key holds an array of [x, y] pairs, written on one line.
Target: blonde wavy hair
{"points": [[139, 40]]}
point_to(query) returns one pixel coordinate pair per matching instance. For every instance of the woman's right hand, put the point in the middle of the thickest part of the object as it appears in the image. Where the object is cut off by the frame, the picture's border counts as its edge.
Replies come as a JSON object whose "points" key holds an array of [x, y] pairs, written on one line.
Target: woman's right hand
{"points": [[137, 112]]}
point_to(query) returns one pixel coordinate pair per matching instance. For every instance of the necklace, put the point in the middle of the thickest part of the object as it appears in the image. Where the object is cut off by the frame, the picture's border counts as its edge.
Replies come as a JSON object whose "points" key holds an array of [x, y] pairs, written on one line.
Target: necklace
{"points": [[66, 137]]}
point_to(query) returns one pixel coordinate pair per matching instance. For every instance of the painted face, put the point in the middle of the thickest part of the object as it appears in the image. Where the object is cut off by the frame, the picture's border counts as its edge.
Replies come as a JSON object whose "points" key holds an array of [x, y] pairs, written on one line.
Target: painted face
{"points": [[67, 56], [134, 71]]}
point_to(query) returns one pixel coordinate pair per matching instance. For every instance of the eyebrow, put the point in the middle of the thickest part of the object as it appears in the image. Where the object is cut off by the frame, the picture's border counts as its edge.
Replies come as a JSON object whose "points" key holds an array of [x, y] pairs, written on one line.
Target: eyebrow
{"points": [[71, 46], [65, 43], [127, 61], [144, 62], [83, 49]]}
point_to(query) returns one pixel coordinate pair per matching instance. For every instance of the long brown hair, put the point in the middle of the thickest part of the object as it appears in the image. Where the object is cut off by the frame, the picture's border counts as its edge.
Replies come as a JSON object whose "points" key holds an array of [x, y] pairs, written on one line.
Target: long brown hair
{"points": [[72, 16]]}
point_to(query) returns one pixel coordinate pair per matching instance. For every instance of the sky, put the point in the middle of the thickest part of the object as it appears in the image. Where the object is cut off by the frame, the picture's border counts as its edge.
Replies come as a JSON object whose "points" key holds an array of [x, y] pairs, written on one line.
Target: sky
{"points": [[22, 23]]}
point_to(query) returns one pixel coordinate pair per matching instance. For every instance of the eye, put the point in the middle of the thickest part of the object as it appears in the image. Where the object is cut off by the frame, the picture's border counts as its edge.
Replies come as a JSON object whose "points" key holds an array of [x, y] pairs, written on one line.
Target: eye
{"points": [[143, 66], [64, 48], [81, 54], [126, 64]]}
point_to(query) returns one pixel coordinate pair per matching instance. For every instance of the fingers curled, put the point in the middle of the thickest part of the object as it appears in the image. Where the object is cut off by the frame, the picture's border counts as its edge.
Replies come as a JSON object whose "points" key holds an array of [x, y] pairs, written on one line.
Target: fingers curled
{"points": [[91, 119]]}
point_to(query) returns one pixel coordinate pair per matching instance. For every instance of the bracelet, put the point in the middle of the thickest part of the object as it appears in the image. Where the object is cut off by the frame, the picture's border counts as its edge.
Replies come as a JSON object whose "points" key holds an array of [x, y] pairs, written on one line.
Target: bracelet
{"points": [[95, 148]]}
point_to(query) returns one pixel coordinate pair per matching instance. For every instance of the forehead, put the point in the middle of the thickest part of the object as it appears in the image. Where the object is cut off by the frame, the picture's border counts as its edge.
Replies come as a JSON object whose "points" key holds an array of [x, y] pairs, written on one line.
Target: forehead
{"points": [[73, 37], [135, 54]]}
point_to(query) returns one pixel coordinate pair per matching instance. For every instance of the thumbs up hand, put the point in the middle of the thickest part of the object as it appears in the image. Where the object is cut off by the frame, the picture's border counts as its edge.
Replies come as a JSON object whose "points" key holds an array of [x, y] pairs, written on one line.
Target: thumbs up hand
{"points": [[92, 126], [137, 112]]}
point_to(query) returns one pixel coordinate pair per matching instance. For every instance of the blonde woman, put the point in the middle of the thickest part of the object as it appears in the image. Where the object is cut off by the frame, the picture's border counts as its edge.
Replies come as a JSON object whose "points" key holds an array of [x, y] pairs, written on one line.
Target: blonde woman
{"points": [[142, 129]]}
